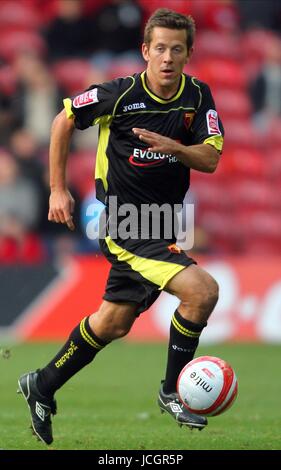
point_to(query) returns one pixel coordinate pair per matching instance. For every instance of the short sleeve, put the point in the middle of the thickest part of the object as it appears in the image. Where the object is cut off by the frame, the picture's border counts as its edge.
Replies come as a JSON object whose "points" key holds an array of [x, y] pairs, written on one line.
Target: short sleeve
{"points": [[207, 127], [95, 102]]}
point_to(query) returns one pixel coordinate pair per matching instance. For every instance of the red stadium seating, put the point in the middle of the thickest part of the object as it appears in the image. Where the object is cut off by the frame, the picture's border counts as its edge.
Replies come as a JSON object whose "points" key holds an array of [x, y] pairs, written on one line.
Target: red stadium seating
{"points": [[274, 133], [274, 166], [250, 196], [241, 133], [181, 6], [81, 171], [123, 68], [260, 232], [47, 10], [255, 43], [16, 42], [221, 230], [211, 195], [232, 104], [72, 74], [213, 44], [216, 15], [245, 163], [7, 80], [223, 73], [239, 205], [19, 15]]}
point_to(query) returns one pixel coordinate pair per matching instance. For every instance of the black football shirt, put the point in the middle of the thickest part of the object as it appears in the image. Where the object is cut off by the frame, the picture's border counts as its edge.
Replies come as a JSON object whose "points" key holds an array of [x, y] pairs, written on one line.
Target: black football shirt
{"points": [[124, 166]]}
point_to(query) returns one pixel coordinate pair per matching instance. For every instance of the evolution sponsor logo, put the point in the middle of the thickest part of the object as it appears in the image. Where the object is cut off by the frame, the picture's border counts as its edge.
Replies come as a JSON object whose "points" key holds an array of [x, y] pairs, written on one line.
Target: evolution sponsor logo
{"points": [[144, 157]]}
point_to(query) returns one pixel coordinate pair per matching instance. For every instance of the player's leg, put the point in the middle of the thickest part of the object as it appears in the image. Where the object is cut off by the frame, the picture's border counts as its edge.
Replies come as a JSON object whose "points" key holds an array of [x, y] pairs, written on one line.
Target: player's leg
{"points": [[92, 334], [112, 320], [198, 294]]}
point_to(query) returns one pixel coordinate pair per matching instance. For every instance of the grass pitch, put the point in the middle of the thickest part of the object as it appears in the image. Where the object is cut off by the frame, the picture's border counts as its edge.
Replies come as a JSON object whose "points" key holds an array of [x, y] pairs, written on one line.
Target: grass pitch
{"points": [[111, 404]]}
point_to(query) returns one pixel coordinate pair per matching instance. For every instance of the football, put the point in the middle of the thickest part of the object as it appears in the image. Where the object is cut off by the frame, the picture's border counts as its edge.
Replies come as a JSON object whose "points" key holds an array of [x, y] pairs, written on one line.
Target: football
{"points": [[207, 386]]}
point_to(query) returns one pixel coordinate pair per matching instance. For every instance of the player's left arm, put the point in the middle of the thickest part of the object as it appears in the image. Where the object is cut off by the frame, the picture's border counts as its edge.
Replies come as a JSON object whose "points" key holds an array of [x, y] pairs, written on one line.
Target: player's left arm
{"points": [[201, 157]]}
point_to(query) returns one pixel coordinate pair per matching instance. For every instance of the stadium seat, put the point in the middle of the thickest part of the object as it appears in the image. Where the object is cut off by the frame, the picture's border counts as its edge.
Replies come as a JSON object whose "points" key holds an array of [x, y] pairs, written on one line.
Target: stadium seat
{"points": [[255, 43], [222, 231], [71, 74], [250, 196], [224, 73], [260, 231], [274, 165], [232, 104], [245, 163], [213, 44], [274, 133], [123, 68], [211, 196], [181, 6], [18, 15], [242, 133], [216, 15], [7, 80], [16, 42], [81, 171], [47, 10]]}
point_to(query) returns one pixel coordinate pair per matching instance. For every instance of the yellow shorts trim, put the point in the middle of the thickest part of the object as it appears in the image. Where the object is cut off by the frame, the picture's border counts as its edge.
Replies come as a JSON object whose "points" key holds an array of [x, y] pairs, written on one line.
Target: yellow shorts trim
{"points": [[158, 272]]}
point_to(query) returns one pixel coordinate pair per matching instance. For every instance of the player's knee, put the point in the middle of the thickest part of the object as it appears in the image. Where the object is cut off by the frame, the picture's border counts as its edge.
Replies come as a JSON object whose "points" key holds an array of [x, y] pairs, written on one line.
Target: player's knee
{"points": [[202, 293], [112, 321], [211, 292], [119, 331], [110, 332]]}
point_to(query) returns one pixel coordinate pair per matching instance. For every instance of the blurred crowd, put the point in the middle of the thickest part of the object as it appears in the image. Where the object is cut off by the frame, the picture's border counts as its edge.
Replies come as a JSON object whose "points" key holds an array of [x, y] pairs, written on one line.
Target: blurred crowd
{"points": [[56, 48]]}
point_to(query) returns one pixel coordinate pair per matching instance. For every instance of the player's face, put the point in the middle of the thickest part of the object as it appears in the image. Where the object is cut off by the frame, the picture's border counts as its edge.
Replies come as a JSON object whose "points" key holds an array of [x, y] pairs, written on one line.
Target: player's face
{"points": [[166, 56]]}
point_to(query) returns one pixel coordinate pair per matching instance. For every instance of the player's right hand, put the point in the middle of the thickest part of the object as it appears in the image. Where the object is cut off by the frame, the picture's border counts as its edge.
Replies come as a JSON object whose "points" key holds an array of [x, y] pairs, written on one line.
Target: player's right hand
{"points": [[61, 207]]}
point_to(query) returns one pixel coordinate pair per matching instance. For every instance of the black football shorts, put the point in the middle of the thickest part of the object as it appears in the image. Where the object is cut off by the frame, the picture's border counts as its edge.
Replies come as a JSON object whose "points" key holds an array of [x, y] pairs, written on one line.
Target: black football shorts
{"points": [[141, 269]]}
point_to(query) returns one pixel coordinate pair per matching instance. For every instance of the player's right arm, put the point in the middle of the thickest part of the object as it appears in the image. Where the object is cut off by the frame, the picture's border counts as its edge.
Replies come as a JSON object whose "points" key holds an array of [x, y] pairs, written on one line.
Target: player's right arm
{"points": [[81, 112], [61, 203]]}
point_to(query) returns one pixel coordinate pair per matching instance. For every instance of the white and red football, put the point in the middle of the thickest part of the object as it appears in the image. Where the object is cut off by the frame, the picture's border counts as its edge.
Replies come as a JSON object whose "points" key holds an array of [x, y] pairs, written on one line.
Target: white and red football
{"points": [[207, 386]]}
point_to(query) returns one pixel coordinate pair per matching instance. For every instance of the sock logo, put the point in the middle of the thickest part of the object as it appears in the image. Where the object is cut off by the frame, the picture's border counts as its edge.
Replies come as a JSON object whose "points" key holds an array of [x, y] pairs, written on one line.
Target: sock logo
{"points": [[178, 348], [72, 348]]}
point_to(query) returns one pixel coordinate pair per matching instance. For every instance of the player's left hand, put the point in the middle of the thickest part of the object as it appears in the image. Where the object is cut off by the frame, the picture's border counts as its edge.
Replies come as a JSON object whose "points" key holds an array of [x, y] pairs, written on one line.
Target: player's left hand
{"points": [[156, 142]]}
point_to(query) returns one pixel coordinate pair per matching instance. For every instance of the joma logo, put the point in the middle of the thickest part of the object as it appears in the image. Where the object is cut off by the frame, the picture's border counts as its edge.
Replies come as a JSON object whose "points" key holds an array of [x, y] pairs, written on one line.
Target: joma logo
{"points": [[201, 382], [131, 107]]}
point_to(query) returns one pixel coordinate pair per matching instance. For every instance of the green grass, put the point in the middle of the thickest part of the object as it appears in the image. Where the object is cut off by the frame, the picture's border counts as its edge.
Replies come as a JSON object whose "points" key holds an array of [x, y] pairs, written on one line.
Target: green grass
{"points": [[111, 404]]}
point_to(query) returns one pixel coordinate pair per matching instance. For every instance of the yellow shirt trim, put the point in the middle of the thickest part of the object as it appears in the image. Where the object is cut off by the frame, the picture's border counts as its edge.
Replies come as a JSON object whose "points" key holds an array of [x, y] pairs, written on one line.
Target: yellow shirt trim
{"points": [[67, 106], [216, 141], [160, 100]]}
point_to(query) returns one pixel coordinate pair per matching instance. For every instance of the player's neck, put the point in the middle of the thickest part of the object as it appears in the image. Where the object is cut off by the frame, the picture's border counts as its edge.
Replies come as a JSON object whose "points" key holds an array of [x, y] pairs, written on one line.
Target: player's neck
{"points": [[162, 91]]}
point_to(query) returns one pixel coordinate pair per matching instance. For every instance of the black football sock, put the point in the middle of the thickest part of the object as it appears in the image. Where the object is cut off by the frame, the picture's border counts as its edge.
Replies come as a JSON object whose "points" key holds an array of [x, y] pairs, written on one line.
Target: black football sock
{"points": [[184, 339], [78, 351]]}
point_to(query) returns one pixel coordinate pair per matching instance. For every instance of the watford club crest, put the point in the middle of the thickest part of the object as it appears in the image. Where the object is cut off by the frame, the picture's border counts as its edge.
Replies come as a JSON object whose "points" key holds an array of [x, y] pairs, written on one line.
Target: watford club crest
{"points": [[188, 118], [174, 248]]}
